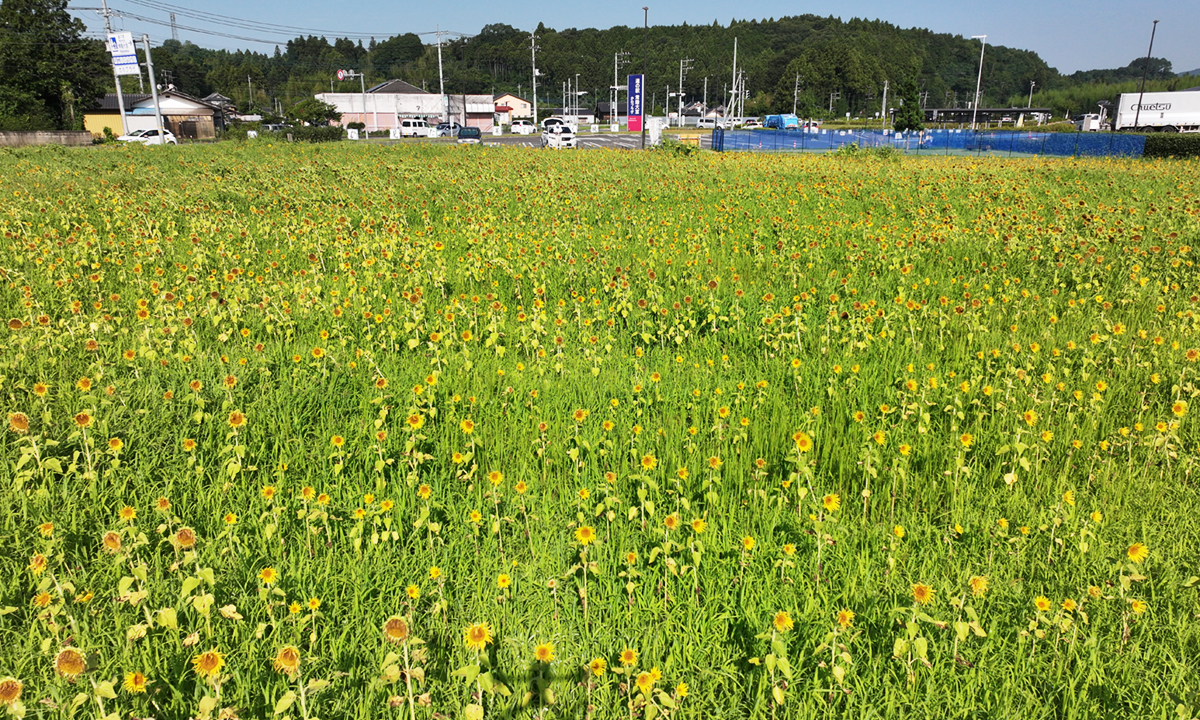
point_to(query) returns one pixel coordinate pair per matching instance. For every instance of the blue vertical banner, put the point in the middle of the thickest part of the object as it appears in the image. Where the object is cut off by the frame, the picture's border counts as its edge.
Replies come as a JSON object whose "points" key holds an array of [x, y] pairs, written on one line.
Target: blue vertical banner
{"points": [[636, 98]]}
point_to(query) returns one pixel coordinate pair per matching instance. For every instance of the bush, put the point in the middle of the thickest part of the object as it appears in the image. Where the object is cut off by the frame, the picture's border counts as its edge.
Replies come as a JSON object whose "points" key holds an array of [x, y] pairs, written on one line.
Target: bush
{"points": [[314, 134], [675, 147], [1161, 145], [854, 150], [356, 126]]}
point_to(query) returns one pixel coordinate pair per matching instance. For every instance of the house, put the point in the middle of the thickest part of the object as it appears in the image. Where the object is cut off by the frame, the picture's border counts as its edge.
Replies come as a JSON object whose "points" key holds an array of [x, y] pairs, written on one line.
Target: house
{"points": [[580, 115], [604, 111], [386, 104], [518, 107], [187, 117]]}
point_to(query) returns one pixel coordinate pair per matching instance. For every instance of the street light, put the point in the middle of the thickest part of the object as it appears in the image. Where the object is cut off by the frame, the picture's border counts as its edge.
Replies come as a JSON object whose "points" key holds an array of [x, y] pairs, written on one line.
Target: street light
{"points": [[1031, 84], [979, 79]]}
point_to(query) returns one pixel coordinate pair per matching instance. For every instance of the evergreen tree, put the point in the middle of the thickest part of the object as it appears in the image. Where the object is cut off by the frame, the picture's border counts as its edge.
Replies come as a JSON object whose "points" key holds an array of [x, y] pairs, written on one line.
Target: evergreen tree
{"points": [[51, 73], [909, 115]]}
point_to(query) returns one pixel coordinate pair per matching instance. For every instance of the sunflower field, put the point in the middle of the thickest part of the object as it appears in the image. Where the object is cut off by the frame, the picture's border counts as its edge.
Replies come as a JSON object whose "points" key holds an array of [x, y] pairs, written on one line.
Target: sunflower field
{"points": [[412, 432]]}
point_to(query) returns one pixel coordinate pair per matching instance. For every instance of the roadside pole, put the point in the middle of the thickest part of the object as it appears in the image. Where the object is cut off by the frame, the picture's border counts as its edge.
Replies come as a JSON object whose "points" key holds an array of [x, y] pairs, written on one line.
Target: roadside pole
{"points": [[116, 76], [154, 89]]}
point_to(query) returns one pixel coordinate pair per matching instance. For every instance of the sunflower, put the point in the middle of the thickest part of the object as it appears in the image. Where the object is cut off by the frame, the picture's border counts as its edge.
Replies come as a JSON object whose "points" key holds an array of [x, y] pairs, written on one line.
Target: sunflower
{"points": [[127, 514], [979, 585], [337, 441], [236, 419], [268, 575], [579, 415], [629, 657], [898, 531], [467, 426], [922, 593], [287, 660], [111, 541], [1042, 603], [495, 477], [714, 462], [1069, 605], [966, 439], [845, 618], [803, 442], [189, 444], [10, 691], [671, 522], [649, 462], [747, 543], [46, 529], [185, 538], [585, 535], [18, 422], [395, 629], [1138, 606], [831, 502], [1138, 552], [699, 526], [135, 683], [413, 592], [208, 664], [544, 653], [69, 663], [37, 564], [645, 682], [1179, 408], [503, 581], [597, 666], [477, 636], [782, 621], [1031, 417], [83, 419]]}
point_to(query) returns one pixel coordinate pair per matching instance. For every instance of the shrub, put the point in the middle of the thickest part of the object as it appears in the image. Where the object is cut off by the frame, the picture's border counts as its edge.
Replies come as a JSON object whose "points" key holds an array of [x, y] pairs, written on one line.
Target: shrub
{"points": [[1161, 145]]}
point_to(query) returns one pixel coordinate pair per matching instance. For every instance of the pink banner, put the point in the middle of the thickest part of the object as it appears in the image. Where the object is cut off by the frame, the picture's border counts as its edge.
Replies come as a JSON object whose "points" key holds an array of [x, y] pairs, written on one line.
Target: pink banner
{"points": [[635, 123]]}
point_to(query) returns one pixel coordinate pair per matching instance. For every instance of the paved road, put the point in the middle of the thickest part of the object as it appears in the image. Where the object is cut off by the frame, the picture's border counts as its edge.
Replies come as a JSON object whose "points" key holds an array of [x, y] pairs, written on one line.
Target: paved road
{"points": [[617, 141]]}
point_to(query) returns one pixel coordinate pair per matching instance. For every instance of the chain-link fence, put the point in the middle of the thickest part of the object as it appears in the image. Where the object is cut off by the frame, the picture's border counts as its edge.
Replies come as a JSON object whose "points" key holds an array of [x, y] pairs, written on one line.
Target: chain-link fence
{"points": [[1009, 143]]}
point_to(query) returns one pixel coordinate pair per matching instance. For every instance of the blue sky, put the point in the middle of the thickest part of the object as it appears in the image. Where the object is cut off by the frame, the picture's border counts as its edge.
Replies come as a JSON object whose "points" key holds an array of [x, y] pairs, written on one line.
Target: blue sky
{"points": [[1069, 34]]}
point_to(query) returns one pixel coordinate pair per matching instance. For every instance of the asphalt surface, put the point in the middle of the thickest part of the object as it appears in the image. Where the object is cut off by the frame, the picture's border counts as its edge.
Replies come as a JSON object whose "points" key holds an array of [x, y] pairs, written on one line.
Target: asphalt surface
{"points": [[585, 141]]}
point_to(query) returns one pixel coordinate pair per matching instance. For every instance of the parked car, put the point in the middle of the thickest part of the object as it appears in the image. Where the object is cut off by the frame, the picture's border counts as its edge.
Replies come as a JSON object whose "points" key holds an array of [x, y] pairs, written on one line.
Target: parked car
{"points": [[521, 127], [751, 124], [446, 129], [470, 136], [558, 136], [276, 127], [413, 127], [150, 137]]}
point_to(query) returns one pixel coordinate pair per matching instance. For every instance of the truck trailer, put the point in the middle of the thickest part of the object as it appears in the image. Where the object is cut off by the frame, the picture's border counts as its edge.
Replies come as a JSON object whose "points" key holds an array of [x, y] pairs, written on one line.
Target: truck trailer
{"points": [[1160, 112]]}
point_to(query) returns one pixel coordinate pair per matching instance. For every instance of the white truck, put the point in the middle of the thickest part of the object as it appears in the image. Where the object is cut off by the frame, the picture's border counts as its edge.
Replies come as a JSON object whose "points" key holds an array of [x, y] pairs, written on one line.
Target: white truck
{"points": [[1160, 112]]}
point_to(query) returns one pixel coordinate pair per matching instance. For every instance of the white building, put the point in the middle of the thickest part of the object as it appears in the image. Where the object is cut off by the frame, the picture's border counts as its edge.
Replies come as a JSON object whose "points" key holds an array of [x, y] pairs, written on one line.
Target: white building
{"points": [[383, 106]]}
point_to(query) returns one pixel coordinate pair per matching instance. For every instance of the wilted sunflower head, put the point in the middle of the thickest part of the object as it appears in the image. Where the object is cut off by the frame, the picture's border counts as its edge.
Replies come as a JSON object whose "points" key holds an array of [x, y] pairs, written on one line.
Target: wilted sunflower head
{"points": [[69, 663]]}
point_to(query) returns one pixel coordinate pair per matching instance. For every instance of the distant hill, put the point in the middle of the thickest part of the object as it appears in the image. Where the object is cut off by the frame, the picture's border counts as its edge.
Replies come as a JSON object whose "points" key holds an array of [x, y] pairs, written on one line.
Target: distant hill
{"points": [[1192, 72]]}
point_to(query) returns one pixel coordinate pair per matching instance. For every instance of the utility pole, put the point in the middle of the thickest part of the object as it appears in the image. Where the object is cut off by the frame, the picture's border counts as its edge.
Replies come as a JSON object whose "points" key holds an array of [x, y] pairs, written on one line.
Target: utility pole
{"points": [[706, 95], [978, 80], [684, 66], [1145, 69], [154, 89], [533, 52], [884, 112], [1031, 84], [732, 102], [619, 59], [116, 77], [250, 102], [796, 94], [645, 73], [441, 82]]}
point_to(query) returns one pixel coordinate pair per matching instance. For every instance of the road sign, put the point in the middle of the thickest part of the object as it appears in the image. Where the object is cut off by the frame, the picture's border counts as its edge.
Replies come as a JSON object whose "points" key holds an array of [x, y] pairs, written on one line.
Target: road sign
{"points": [[121, 43], [341, 74], [636, 99], [124, 56]]}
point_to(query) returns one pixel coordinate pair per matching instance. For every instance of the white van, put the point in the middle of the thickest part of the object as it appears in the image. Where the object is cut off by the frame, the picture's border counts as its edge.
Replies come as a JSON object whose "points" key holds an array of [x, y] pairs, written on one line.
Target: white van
{"points": [[414, 128]]}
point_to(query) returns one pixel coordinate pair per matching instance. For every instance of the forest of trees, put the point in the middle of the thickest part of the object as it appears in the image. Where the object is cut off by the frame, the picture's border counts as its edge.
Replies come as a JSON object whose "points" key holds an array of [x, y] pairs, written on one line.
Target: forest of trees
{"points": [[837, 66]]}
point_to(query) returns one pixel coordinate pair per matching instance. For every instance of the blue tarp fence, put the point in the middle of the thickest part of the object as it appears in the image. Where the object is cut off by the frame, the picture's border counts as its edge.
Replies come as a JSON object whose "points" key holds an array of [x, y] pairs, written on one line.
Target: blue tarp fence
{"points": [[934, 142]]}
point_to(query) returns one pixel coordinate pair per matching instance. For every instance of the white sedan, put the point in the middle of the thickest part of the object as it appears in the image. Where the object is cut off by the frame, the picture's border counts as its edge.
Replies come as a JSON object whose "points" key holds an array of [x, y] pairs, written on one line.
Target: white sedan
{"points": [[150, 137], [558, 137], [521, 127]]}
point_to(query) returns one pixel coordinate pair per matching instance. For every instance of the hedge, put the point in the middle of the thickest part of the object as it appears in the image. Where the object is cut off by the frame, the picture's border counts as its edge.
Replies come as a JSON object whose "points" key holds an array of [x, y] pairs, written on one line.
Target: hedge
{"points": [[1161, 145]]}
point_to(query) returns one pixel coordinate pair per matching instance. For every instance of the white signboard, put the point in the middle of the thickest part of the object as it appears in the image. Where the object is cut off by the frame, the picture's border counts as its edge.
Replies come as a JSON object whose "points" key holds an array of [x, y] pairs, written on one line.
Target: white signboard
{"points": [[394, 134], [124, 55], [352, 134]]}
